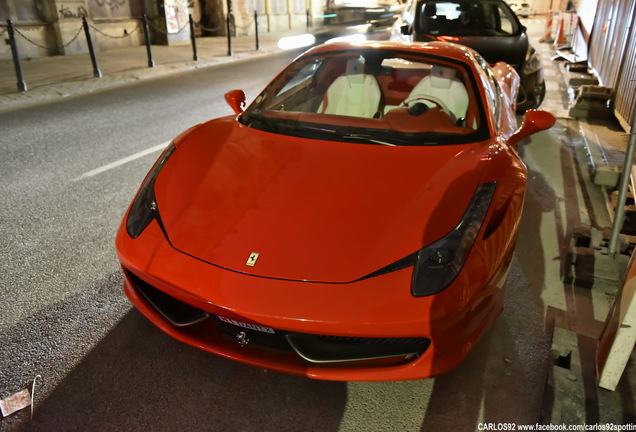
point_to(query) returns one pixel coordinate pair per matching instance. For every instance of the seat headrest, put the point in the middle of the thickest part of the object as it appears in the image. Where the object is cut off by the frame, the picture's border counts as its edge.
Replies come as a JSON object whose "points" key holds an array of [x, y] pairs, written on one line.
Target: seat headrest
{"points": [[355, 66], [442, 77], [356, 79]]}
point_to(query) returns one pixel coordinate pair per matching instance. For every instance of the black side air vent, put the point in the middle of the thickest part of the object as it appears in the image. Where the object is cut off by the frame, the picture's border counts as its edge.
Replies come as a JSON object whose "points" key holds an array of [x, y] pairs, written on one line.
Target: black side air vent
{"points": [[328, 349], [177, 312]]}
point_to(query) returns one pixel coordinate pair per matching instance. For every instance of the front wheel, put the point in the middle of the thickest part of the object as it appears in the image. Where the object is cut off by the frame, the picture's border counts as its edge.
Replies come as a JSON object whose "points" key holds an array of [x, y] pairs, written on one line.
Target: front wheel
{"points": [[541, 94], [525, 103]]}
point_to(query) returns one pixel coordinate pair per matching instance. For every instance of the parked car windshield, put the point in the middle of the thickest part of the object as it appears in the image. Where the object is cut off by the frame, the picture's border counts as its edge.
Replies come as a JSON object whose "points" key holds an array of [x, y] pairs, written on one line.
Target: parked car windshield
{"points": [[466, 18], [382, 97]]}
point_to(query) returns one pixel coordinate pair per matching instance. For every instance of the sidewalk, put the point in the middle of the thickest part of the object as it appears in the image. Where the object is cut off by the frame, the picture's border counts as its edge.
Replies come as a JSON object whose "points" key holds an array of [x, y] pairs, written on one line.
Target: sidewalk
{"points": [[591, 276], [50, 78]]}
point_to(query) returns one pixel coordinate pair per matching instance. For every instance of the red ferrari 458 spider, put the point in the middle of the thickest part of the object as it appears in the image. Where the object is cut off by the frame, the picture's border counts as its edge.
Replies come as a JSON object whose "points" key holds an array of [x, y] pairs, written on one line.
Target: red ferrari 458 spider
{"points": [[355, 222]]}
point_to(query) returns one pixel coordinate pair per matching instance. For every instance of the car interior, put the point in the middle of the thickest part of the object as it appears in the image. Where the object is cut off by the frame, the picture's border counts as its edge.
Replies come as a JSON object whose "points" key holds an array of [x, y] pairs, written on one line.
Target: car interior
{"points": [[404, 95], [471, 19]]}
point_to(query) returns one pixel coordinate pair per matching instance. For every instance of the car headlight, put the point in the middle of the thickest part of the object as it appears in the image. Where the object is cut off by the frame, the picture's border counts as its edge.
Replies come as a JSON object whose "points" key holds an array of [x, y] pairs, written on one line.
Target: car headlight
{"points": [[532, 63], [438, 264], [144, 208]]}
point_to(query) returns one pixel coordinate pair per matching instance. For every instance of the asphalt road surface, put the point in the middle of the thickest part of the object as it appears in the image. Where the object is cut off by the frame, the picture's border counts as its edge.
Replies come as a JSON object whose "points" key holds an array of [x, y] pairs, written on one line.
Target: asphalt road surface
{"points": [[69, 170]]}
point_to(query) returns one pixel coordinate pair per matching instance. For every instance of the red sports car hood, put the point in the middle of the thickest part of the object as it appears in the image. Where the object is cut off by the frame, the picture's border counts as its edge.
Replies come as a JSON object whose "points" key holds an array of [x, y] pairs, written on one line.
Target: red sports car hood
{"points": [[312, 210]]}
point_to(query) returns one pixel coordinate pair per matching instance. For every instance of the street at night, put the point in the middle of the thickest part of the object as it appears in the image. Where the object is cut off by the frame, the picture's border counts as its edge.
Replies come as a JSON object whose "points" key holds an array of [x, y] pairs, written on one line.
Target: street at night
{"points": [[70, 169]]}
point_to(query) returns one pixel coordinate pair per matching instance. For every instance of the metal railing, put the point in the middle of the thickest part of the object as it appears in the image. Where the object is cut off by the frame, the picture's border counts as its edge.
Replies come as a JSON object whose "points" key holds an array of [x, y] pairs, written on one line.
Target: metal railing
{"points": [[145, 25]]}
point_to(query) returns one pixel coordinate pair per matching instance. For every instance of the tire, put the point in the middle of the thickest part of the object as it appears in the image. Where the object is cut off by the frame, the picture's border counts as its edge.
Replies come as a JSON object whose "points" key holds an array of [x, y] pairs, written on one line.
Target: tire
{"points": [[541, 95], [523, 107]]}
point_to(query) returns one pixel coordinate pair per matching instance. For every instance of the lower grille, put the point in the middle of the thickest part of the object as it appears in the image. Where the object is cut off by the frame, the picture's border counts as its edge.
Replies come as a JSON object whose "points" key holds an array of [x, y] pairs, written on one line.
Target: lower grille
{"points": [[311, 347], [330, 349]]}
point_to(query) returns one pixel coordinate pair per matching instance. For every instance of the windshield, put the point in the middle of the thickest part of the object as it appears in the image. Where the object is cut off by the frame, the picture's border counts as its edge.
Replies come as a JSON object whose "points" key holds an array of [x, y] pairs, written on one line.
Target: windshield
{"points": [[372, 96], [466, 18]]}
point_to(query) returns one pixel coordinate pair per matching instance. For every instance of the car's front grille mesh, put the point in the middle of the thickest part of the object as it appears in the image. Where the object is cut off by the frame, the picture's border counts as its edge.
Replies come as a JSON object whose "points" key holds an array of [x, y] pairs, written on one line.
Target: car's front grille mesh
{"points": [[311, 347], [331, 349], [371, 341]]}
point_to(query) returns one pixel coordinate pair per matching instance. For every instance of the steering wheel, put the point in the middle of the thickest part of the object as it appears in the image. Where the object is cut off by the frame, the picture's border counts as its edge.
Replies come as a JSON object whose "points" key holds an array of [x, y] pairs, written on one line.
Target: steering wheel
{"points": [[408, 102]]}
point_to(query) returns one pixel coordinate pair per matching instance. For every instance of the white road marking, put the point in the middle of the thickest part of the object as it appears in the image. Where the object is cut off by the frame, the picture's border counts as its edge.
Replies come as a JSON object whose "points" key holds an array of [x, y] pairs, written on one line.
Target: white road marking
{"points": [[123, 161]]}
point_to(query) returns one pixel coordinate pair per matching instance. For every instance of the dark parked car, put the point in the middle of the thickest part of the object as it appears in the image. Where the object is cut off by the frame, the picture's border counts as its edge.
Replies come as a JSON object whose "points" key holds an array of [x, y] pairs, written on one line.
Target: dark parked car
{"points": [[488, 26]]}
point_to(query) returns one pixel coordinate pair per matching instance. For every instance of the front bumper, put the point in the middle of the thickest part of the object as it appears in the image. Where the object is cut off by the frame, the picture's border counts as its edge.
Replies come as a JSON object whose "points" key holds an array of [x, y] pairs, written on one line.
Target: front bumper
{"points": [[368, 330]]}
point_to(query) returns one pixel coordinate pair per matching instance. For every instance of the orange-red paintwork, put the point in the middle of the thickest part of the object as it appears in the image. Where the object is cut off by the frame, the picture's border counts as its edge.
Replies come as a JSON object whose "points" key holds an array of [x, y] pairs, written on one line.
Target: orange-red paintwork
{"points": [[323, 215]]}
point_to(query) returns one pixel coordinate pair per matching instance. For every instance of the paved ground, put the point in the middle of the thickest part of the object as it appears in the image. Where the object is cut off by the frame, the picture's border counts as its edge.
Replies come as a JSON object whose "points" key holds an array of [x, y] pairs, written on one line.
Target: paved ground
{"points": [[577, 315]]}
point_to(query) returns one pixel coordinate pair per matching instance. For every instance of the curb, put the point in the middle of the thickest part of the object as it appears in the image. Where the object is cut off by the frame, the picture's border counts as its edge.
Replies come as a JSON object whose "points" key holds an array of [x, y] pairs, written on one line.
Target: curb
{"points": [[57, 90]]}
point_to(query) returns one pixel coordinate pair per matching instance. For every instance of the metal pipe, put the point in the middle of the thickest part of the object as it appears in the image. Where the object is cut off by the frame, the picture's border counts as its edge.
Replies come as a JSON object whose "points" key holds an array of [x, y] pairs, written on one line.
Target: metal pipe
{"points": [[151, 62], [619, 212], [89, 41], [256, 29], [229, 36], [16, 58], [193, 37]]}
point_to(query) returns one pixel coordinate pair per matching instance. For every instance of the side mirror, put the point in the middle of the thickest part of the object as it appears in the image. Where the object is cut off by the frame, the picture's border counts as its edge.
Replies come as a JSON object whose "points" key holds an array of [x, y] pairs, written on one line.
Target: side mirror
{"points": [[405, 29], [533, 121], [236, 100]]}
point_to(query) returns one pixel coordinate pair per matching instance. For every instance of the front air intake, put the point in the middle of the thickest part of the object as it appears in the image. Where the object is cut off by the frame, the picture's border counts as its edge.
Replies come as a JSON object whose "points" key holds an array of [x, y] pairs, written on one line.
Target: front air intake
{"points": [[177, 312]]}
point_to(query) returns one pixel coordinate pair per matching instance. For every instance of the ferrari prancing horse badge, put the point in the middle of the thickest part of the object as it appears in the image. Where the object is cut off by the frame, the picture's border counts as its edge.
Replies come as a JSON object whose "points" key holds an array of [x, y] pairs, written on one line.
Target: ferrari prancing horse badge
{"points": [[251, 261]]}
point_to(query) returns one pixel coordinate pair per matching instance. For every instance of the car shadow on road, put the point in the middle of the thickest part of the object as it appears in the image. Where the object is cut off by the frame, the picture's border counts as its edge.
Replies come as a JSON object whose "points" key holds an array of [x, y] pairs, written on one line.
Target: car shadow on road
{"points": [[138, 378], [502, 379]]}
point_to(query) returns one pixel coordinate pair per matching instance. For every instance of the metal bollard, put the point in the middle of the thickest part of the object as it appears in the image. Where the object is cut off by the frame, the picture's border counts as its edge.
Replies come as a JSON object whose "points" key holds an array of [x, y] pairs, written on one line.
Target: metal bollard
{"points": [[151, 62], [229, 37], [256, 29], [16, 58], [193, 37], [96, 72]]}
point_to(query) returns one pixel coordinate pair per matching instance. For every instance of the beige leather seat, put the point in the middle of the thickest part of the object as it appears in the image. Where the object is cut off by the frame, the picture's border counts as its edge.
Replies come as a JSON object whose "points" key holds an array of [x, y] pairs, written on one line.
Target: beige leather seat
{"points": [[445, 86], [355, 95]]}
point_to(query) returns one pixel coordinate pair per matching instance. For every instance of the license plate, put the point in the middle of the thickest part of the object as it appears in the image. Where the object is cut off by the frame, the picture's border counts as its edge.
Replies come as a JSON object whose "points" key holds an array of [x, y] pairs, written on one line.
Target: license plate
{"points": [[246, 325]]}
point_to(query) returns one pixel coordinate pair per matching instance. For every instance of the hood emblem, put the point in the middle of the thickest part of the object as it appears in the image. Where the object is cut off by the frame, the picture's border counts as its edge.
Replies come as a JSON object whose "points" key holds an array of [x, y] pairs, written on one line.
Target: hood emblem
{"points": [[242, 339], [251, 261]]}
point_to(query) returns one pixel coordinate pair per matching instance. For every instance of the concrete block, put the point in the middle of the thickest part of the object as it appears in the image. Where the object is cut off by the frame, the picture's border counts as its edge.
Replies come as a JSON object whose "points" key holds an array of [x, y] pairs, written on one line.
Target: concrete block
{"points": [[607, 175], [577, 80], [577, 68], [594, 92], [579, 267], [588, 264], [592, 101]]}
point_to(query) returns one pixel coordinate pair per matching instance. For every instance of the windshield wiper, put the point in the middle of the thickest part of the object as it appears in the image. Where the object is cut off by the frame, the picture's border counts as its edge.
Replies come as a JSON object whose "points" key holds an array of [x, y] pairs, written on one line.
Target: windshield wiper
{"points": [[367, 138], [351, 136], [388, 141], [319, 131], [271, 123]]}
